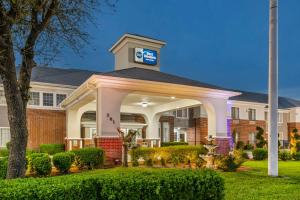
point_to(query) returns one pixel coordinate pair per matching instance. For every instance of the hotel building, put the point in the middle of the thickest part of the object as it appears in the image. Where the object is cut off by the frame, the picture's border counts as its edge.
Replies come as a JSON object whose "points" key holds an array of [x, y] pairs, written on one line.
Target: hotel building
{"points": [[83, 108]]}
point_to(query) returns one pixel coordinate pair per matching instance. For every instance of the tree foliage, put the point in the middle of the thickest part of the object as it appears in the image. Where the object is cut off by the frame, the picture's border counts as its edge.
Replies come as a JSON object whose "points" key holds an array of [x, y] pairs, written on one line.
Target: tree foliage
{"points": [[32, 29], [261, 142]]}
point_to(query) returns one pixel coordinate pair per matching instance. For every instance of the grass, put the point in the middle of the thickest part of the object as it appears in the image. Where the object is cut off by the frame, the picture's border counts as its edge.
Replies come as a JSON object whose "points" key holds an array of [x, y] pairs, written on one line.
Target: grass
{"points": [[255, 184]]}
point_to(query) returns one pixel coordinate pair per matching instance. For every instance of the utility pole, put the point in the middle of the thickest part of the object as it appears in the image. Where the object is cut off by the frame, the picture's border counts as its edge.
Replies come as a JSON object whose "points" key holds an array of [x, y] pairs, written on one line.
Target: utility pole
{"points": [[273, 90]]}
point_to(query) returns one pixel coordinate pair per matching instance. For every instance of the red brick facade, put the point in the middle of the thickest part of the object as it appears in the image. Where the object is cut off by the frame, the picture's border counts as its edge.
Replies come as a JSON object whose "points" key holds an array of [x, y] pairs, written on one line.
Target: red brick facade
{"points": [[198, 131], [112, 147], [244, 127]]}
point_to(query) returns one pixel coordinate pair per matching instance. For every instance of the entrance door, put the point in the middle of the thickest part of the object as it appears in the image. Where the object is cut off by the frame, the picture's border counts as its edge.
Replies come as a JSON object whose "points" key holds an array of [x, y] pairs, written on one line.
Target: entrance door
{"points": [[166, 132]]}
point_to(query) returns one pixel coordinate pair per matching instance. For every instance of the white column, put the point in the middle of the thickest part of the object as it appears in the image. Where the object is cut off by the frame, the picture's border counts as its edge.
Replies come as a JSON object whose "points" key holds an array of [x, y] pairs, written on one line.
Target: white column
{"points": [[108, 111], [216, 110], [273, 91], [153, 126], [73, 123]]}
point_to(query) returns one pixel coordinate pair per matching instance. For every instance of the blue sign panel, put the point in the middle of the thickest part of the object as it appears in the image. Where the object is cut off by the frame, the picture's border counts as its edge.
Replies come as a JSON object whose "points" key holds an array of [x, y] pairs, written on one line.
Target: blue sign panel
{"points": [[145, 56]]}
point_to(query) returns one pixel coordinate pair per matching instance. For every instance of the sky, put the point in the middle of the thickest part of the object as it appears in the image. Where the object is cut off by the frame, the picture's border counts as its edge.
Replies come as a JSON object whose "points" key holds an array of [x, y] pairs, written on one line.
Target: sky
{"points": [[222, 42]]}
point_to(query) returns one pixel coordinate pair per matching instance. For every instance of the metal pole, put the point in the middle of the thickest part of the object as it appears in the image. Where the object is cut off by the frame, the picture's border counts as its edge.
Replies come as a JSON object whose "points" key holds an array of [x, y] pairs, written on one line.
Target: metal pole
{"points": [[273, 91]]}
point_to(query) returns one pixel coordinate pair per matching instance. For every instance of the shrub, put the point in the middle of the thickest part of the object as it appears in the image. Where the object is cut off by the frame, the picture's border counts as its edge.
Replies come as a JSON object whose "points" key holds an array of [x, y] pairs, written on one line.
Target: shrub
{"points": [[4, 152], [261, 142], [260, 154], [149, 162], [8, 145], [171, 154], [231, 162], [62, 161], [135, 163], [240, 145], [167, 144], [89, 157], [52, 149], [163, 162], [248, 147], [296, 156], [41, 164], [3, 167], [285, 155], [200, 163], [150, 184]]}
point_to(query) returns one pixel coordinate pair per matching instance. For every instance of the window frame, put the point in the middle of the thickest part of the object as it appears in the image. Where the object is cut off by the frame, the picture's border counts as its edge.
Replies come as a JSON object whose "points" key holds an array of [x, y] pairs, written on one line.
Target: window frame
{"points": [[280, 119], [1, 136], [235, 112], [182, 117], [2, 101], [56, 94], [39, 100], [53, 103], [252, 114]]}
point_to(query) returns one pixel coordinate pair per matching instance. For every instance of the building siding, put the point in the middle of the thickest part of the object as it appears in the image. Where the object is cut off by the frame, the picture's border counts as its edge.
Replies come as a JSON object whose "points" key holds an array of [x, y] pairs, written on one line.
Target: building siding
{"points": [[45, 127], [3, 117]]}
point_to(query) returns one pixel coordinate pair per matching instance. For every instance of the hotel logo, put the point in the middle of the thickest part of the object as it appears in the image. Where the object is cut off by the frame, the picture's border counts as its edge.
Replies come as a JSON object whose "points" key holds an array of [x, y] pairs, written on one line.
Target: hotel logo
{"points": [[145, 56]]}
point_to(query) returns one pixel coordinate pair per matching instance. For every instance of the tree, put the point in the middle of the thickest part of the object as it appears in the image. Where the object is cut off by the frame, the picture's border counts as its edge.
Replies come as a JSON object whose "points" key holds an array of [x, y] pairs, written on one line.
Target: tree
{"points": [[294, 141], [127, 140], [31, 29], [261, 142]]}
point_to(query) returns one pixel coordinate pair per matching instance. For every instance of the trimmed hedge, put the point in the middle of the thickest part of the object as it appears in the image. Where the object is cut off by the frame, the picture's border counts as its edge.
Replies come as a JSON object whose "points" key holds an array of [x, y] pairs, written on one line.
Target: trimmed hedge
{"points": [[4, 152], [118, 184], [3, 167], [171, 154], [285, 155], [52, 149], [39, 163], [89, 157], [296, 156], [260, 154], [167, 144], [62, 161]]}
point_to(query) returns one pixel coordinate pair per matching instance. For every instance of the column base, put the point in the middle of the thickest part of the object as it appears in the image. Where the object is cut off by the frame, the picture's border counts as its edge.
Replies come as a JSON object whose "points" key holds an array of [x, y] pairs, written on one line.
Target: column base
{"points": [[112, 147], [223, 145]]}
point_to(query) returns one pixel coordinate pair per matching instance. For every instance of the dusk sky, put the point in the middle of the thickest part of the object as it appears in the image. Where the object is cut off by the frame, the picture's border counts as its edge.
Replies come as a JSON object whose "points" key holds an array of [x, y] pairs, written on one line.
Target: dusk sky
{"points": [[222, 42]]}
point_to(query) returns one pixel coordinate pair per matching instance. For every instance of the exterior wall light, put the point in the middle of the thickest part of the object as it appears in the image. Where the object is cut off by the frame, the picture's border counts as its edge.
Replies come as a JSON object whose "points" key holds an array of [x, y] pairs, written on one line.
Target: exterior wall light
{"points": [[144, 104]]}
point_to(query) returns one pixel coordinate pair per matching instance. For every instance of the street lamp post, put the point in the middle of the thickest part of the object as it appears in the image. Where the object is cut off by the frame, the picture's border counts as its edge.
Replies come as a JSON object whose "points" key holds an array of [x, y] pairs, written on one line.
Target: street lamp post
{"points": [[273, 90]]}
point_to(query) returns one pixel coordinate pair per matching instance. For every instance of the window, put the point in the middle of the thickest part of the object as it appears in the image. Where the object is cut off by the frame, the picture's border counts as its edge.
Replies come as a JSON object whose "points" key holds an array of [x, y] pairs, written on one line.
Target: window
{"points": [[266, 115], [2, 97], [60, 98], [34, 98], [280, 117], [235, 113], [47, 99], [252, 138], [252, 114], [4, 136], [182, 113]]}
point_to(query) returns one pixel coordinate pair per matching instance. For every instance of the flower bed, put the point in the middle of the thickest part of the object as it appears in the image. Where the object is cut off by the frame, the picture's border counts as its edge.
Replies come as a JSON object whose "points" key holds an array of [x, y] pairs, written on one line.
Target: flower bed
{"points": [[171, 154], [119, 183]]}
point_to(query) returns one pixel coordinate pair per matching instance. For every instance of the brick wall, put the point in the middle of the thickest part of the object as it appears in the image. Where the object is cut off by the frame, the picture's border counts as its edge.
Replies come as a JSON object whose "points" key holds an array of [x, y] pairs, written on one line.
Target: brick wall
{"points": [[201, 130], [244, 127], [112, 147], [170, 120]]}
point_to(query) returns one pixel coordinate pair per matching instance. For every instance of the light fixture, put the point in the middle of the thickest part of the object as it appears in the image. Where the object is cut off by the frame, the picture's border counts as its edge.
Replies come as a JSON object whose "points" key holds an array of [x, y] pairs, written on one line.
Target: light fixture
{"points": [[172, 97], [144, 104]]}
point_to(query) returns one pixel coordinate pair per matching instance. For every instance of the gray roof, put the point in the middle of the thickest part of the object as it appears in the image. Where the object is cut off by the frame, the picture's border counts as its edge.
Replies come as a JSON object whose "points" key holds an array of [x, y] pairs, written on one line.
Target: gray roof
{"points": [[153, 75], [283, 102], [75, 77]]}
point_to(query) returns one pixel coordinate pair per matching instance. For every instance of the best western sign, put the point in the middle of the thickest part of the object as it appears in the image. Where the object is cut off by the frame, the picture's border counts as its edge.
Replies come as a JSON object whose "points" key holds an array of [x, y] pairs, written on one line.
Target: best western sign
{"points": [[145, 56]]}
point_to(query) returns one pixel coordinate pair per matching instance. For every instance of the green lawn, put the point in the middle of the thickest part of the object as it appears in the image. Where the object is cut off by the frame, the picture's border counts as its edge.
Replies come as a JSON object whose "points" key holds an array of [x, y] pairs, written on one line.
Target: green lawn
{"points": [[255, 184]]}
